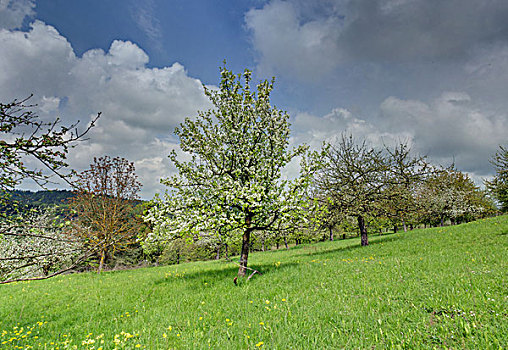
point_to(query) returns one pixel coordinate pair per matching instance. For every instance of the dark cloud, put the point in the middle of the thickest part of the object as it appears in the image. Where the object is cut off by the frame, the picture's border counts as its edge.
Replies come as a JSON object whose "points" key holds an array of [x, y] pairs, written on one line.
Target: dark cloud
{"points": [[421, 29], [310, 39]]}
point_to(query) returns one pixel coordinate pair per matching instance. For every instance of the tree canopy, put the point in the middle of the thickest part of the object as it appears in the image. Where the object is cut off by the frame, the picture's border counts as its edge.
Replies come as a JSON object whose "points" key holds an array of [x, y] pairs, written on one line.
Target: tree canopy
{"points": [[102, 208], [229, 177]]}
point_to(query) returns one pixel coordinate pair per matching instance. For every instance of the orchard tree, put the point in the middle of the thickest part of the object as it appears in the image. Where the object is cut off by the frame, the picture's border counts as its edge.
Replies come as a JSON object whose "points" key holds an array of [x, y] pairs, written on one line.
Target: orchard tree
{"points": [[36, 245], [451, 194], [498, 186], [353, 179], [405, 173], [325, 215], [102, 209], [33, 243], [230, 179]]}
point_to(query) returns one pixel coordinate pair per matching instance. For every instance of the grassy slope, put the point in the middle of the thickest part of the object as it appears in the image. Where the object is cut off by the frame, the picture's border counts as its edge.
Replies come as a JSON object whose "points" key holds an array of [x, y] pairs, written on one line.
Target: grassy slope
{"points": [[442, 287]]}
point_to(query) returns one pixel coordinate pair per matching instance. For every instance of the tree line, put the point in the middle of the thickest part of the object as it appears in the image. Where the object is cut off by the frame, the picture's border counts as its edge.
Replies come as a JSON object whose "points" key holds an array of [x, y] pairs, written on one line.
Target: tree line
{"points": [[229, 194]]}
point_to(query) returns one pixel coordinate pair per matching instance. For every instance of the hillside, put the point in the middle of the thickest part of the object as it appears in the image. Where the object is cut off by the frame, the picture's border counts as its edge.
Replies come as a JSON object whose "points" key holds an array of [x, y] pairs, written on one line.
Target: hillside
{"points": [[441, 287]]}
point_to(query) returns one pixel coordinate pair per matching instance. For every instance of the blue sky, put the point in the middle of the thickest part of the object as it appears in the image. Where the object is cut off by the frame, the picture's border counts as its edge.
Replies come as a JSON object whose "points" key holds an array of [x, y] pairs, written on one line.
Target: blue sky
{"points": [[197, 34], [431, 73]]}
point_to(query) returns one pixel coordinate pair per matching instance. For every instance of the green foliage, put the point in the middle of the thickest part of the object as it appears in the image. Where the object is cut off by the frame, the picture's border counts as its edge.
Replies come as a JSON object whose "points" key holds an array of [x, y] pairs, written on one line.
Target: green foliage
{"points": [[43, 198], [433, 288]]}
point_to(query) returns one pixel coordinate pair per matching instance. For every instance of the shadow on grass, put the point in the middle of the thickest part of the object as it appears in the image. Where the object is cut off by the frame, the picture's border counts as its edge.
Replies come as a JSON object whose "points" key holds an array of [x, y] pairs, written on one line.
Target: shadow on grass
{"points": [[310, 250], [227, 270], [225, 274]]}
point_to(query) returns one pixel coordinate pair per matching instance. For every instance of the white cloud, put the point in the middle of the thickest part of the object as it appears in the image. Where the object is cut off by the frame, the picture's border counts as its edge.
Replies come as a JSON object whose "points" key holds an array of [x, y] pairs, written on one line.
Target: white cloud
{"points": [[449, 128], [314, 130], [13, 12], [126, 55], [140, 106]]}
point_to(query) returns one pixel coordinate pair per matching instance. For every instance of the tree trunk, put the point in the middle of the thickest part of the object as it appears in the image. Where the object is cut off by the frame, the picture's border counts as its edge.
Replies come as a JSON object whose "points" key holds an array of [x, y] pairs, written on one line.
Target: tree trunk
{"points": [[395, 229], [217, 256], [442, 222], [263, 245], [244, 256], [404, 225], [363, 231], [226, 250], [101, 262], [178, 256], [331, 234], [343, 236], [277, 244], [286, 243]]}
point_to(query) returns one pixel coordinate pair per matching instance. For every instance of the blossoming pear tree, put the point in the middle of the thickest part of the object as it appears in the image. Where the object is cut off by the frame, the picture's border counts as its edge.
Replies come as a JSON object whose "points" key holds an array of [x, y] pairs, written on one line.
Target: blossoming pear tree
{"points": [[230, 179]]}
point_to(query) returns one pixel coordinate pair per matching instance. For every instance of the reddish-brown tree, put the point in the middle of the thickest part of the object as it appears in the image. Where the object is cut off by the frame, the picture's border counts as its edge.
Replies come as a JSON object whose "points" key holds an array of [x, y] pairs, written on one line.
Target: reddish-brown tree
{"points": [[102, 210]]}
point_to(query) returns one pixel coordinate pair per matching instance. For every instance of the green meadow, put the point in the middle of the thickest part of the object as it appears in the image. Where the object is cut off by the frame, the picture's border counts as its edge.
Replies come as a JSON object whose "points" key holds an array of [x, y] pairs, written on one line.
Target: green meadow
{"points": [[431, 288]]}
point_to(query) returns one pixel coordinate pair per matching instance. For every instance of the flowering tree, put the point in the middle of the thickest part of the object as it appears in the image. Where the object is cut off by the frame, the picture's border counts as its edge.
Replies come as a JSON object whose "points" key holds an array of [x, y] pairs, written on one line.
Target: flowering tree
{"points": [[232, 180], [35, 246], [498, 186], [451, 194], [102, 210], [32, 244]]}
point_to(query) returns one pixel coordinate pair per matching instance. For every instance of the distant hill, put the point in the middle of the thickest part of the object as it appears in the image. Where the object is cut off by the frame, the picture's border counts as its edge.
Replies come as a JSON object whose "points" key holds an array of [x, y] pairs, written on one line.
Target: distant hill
{"points": [[41, 198], [20, 200]]}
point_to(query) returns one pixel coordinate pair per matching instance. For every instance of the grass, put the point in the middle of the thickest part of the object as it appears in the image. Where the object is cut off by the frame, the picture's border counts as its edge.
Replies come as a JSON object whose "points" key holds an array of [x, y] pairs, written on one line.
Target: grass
{"points": [[433, 288]]}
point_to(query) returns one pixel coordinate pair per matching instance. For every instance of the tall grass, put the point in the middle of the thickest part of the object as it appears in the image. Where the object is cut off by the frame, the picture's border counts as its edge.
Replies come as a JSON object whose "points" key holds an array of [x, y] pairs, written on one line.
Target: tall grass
{"points": [[434, 288]]}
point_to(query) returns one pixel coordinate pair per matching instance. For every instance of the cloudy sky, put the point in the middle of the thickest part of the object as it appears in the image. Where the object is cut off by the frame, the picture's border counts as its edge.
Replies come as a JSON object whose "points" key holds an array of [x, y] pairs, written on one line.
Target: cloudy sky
{"points": [[432, 73]]}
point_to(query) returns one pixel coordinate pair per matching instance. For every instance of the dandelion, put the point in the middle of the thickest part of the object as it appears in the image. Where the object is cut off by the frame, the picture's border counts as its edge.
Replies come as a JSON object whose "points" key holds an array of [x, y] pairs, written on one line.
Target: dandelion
{"points": [[138, 345], [200, 318], [283, 299], [267, 301], [261, 323], [164, 335], [259, 344]]}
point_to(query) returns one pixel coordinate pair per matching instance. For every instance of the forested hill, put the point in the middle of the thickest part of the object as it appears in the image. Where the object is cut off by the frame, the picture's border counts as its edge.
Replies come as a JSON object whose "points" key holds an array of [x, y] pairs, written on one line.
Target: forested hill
{"points": [[41, 198], [45, 198]]}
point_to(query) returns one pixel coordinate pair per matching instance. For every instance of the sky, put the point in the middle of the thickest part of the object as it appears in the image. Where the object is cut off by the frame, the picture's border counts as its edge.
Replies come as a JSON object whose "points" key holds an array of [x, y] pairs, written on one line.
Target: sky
{"points": [[432, 73]]}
